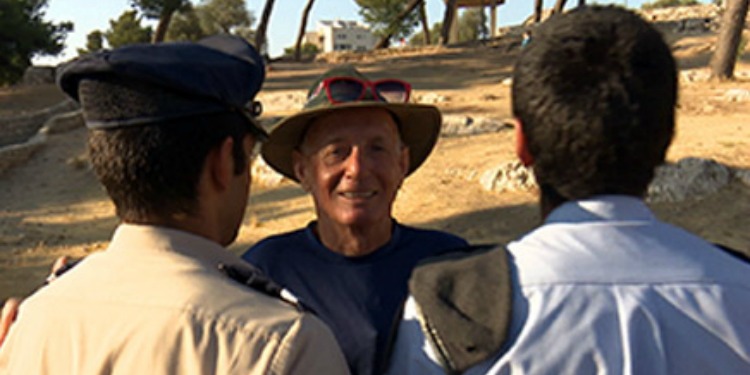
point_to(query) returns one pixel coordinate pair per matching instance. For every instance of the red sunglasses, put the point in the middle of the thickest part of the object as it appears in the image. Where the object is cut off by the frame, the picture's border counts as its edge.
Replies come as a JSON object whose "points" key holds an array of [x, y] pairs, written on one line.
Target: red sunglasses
{"points": [[349, 89]]}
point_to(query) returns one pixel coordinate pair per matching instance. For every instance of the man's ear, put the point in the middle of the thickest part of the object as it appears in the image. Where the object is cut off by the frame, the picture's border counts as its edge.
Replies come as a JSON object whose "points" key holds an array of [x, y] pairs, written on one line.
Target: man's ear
{"points": [[298, 165], [522, 147], [220, 163]]}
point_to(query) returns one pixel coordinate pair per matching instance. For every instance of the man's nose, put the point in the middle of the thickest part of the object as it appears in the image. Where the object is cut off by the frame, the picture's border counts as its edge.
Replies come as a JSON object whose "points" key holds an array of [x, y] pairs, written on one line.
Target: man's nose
{"points": [[354, 162]]}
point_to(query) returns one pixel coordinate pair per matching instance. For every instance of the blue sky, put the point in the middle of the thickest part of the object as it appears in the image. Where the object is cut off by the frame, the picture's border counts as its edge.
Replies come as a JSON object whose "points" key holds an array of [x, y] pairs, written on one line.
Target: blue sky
{"points": [[89, 15]]}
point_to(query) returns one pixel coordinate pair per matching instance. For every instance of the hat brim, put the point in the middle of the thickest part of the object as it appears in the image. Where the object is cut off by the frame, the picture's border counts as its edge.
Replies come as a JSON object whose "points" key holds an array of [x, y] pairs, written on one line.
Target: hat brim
{"points": [[419, 126]]}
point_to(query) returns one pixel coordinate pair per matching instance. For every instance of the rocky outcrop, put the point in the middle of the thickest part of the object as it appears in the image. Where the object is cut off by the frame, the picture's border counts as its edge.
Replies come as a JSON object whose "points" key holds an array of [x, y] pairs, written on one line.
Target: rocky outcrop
{"points": [[669, 14], [508, 176], [38, 75], [431, 98], [13, 155], [455, 125], [21, 137], [19, 129], [743, 175], [280, 102], [65, 121], [689, 178], [264, 175]]}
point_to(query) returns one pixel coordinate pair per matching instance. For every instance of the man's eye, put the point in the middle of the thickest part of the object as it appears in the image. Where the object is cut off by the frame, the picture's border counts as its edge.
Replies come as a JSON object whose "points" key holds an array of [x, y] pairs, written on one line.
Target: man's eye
{"points": [[336, 153]]}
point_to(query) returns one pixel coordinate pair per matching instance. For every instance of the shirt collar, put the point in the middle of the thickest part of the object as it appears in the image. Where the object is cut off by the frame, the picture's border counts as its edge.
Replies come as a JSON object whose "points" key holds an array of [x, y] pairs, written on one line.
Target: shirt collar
{"points": [[601, 208], [330, 255], [134, 239]]}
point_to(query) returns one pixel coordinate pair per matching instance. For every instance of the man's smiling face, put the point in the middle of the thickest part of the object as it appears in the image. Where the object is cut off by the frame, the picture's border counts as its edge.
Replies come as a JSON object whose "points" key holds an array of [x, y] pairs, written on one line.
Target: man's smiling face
{"points": [[353, 162]]}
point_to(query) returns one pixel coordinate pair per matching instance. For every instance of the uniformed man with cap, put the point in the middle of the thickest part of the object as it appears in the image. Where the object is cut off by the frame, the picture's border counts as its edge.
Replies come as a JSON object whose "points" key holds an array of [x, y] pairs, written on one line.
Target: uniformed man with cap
{"points": [[171, 136]]}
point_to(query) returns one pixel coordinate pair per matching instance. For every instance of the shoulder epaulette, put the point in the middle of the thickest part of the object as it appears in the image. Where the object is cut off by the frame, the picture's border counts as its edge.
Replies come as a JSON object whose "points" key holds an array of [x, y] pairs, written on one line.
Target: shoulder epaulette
{"points": [[464, 301], [255, 279]]}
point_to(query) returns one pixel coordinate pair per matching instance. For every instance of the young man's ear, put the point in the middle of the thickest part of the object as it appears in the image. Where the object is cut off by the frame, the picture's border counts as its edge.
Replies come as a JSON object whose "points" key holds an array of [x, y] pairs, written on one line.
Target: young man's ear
{"points": [[522, 148], [220, 163]]}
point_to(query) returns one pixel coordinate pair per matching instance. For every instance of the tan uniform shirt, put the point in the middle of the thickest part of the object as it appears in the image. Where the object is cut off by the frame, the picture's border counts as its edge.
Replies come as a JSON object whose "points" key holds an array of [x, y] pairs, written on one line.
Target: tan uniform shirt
{"points": [[155, 303]]}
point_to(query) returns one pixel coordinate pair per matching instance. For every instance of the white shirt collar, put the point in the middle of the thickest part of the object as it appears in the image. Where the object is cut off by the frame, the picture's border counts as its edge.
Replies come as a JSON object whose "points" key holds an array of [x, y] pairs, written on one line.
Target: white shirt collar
{"points": [[601, 208]]}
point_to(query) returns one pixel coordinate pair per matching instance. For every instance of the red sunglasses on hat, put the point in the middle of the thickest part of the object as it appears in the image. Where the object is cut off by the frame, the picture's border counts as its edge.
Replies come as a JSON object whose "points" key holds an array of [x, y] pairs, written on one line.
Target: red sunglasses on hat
{"points": [[349, 89]]}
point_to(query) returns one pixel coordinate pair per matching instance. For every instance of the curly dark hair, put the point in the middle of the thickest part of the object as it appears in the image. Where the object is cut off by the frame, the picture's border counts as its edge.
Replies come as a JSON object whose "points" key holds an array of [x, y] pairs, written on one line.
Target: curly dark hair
{"points": [[153, 171], [596, 93]]}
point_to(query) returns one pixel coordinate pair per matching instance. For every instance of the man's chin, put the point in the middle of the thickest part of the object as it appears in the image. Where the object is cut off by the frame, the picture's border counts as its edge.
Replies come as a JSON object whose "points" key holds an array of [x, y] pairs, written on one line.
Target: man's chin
{"points": [[362, 218]]}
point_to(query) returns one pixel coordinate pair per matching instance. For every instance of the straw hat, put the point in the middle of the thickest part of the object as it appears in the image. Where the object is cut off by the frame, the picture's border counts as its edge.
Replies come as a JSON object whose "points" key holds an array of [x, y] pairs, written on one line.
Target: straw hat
{"points": [[419, 125]]}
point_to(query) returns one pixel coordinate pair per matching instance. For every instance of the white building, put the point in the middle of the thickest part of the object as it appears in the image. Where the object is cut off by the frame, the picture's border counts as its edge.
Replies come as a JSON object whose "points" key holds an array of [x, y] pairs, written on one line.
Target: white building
{"points": [[342, 36]]}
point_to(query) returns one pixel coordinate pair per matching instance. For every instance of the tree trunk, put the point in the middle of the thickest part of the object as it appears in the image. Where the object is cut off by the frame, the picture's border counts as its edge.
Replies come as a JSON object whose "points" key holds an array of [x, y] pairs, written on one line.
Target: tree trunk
{"points": [[538, 6], [559, 6], [161, 28], [732, 23], [302, 27], [450, 13], [581, 3], [425, 24], [260, 34], [384, 41]]}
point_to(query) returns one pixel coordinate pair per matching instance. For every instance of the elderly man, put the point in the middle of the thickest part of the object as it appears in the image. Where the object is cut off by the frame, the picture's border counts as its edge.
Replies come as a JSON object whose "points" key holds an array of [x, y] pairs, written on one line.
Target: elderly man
{"points": [[603, 286], [351, 148], [170, 140]]}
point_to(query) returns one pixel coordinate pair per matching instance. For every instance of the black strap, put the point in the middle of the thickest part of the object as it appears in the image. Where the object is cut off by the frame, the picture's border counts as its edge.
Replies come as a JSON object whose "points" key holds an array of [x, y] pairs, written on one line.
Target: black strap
{"points": [[739, 254], [255, 279], [60, 271], [465, 304]]}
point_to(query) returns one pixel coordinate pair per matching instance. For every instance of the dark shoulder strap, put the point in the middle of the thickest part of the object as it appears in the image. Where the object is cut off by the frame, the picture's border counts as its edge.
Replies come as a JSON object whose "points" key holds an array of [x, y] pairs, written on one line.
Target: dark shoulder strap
{"points": [[255, 279], [739, 254], [464, 301]]}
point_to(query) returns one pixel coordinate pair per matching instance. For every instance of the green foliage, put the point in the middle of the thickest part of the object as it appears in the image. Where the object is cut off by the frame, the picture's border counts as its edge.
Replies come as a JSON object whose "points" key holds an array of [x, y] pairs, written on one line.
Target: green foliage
{"points": [[162, 10], [380, 14], [94, 42], [185, 26], [668, 3], [417, 39], [212, 17], [249, 34], [472, 25], [305, 49], [223, 16], [23, 34], [126, 30]]}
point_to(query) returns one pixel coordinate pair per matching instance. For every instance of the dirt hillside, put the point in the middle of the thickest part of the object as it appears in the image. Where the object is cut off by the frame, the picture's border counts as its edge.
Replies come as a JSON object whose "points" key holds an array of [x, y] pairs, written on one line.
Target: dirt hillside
{"points": [[52, 205]]}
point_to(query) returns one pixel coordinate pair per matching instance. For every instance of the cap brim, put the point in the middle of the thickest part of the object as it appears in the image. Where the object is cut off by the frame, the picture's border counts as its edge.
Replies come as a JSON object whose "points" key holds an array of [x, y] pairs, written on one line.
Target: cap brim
{"points": [[419, 126]]}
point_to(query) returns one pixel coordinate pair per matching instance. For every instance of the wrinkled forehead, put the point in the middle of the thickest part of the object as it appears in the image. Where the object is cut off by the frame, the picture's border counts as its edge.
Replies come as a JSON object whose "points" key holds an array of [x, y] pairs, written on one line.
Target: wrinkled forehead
{"points": [[352, 124]]}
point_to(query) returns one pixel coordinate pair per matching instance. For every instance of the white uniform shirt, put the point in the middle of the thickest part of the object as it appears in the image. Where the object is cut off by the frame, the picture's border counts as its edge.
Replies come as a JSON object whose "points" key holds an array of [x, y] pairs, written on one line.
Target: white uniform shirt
{"points": [[603, 287]]}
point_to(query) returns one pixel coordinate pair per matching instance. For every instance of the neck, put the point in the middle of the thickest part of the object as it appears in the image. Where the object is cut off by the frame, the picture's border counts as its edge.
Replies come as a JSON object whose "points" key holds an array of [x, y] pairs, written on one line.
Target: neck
{"points": [[549, 199], [185, 223], [351, 240]]}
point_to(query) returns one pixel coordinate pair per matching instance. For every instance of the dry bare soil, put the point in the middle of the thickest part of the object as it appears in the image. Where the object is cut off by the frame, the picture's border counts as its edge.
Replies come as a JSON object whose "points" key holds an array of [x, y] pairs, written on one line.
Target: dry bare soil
{"points": [[52, 204]]}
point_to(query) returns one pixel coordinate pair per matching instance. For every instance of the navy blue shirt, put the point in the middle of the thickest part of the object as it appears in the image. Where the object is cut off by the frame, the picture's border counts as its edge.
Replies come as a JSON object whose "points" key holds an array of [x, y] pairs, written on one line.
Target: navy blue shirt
{"points": [[359, 298]]}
